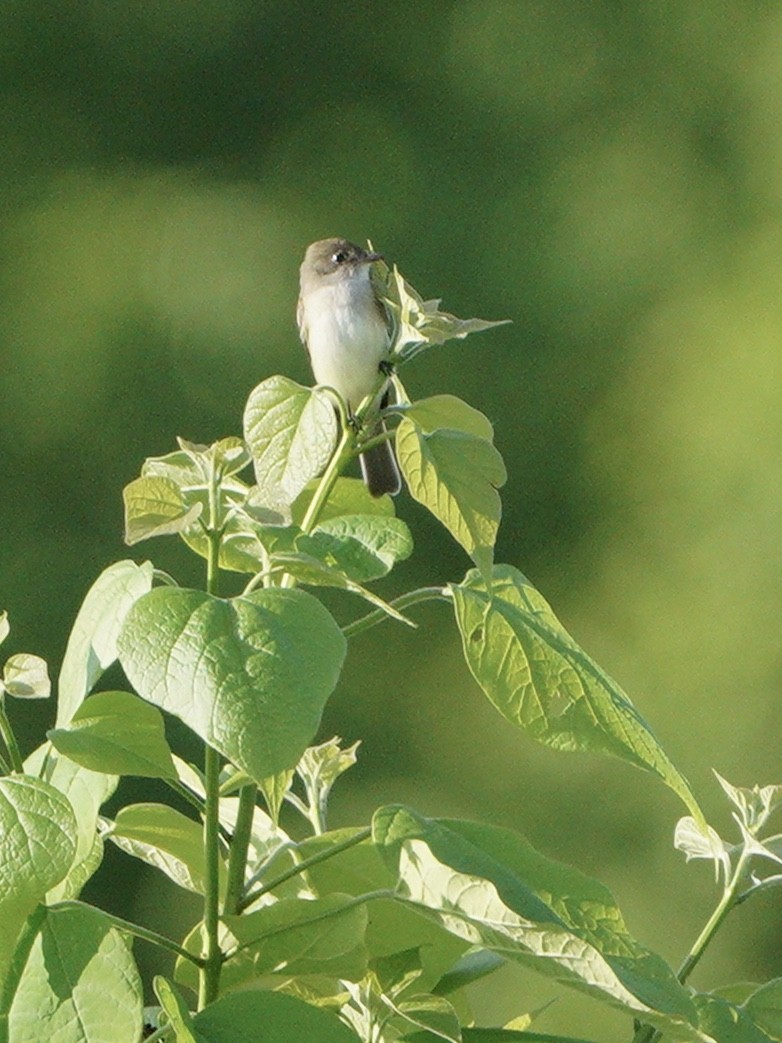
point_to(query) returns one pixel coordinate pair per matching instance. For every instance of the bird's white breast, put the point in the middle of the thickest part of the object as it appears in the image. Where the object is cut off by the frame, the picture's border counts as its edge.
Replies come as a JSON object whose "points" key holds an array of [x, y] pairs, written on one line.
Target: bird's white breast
{"points": [[346, 336]]}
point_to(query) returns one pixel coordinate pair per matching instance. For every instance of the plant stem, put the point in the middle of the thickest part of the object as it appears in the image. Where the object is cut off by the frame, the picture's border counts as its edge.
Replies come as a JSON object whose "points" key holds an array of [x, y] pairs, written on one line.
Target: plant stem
{"points": [[209, 980], [209, 984], [340, 457], [304, 865], [137, 930], [7, 733], [729, 899], [240, 843], [724, 906], [402, 602]]}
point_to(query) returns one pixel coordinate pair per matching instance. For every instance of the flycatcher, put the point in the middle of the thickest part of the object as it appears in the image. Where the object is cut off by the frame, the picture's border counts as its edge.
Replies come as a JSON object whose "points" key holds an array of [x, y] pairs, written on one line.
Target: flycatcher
{"points": [[344, 327]]}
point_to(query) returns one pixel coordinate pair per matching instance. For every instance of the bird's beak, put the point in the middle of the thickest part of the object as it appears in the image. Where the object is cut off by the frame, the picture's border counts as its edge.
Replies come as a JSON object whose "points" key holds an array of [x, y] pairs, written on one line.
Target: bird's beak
{"points": [[373, 257]]}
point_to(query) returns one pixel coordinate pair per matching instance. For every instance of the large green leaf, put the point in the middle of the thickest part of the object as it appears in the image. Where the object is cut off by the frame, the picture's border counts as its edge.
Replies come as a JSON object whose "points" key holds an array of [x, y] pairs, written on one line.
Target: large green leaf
{"points": [[540, 679], [37, 848], [725, 1022], [291, 432], [237, 1018], [250, 676], [491, 888], [118, 733], [79, 983], [455, 473], [92, 646], [164, 838]]}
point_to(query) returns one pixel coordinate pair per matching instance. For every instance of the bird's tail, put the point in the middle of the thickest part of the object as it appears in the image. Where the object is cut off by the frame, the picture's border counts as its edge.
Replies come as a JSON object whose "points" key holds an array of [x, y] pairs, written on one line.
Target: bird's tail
{"points": [[379, 467]]}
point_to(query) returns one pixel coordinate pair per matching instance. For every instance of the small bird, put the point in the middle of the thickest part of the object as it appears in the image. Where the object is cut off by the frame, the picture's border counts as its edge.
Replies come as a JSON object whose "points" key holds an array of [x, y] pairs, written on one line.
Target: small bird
{"points": [[344, 327]]}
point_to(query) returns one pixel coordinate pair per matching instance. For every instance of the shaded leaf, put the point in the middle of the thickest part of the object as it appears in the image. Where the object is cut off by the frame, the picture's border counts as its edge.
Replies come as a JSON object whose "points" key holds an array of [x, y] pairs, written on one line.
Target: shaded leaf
{"points": [[164, 838], [176, 1010], [5, 627], [117, 733], [235, 1019], [348, 496], [362, 546]]}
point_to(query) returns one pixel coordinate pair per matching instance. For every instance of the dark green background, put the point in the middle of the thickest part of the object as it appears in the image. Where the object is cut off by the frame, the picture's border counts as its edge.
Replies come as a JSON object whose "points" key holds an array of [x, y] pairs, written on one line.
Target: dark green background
{"points": [[606, 174]]}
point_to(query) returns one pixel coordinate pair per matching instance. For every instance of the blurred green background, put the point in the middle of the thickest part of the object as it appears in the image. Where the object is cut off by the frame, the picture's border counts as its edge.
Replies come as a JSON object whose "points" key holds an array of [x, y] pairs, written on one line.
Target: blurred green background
{"points": [[606, 174]]}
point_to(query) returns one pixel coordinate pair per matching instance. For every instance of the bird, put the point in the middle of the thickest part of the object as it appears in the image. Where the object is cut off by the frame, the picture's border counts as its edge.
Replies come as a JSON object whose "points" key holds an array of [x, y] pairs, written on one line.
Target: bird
{"points": [[345, 330]]}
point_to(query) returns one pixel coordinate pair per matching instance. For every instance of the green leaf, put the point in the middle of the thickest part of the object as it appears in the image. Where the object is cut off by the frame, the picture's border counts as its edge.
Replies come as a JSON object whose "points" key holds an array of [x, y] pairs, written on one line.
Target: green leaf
{"points": [[726, 1023], [298, 936], [250, 676], [86, 791], [79, 983], [491, 888], [176, 1009], [448, 411], [348, 496], [37, 848], [695, 841], [755, 805], [154, 506], [274, 789], [164, 838], [541, 680], [26, 677], [362, 546], [291, 432], [434, 1014], [418, 324], [235, 1019], [92, 646], [764, 1007], [5, 627], [456, 476], [117, 733]]}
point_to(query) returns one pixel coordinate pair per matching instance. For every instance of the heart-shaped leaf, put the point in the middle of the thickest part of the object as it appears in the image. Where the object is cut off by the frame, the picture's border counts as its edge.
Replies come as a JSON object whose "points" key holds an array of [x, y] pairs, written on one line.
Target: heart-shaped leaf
{"points": [[250, 675]]}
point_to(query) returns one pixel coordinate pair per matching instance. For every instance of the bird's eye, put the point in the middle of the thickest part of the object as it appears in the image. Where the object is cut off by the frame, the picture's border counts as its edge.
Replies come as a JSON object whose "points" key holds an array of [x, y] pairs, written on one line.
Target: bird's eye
{"points": [[339, 257]]}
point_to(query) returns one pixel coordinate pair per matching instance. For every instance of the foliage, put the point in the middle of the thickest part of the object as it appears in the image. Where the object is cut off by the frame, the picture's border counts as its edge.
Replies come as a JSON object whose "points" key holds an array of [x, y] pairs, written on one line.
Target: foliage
{"points": [[371, 933]]}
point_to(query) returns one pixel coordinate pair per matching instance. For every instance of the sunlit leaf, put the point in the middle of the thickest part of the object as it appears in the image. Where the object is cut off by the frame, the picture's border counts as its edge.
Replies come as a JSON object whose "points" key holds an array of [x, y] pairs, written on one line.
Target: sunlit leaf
{"points": [[418, 324], [540, 679], [26, 677], [455, 474], [249, 675], [491, 888], [92, 646], [5, 627], [291, 431], [79, 983], [37, 848], [176, 1009], [155, 506], [363, 546]]}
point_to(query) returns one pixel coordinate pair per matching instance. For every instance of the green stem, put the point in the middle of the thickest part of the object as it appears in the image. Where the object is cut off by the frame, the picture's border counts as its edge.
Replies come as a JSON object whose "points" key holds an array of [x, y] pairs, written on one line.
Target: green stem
{"points": [[404, 601], [240, 844], [5, 767], [729, 899], [7, 734], [139, 932], [724, 906], [304, 865], [209, 982], [340, 457], [186, 794]]}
